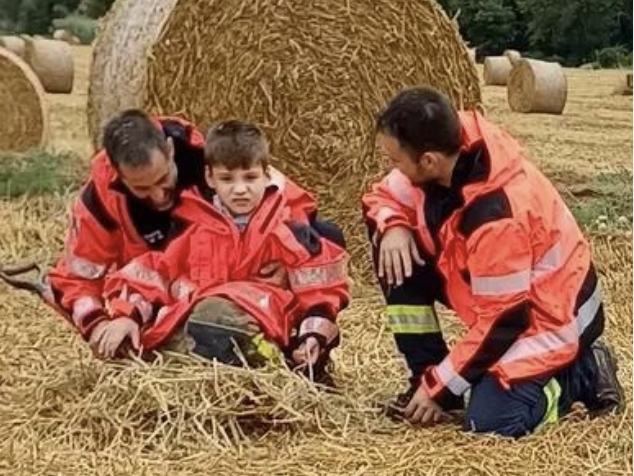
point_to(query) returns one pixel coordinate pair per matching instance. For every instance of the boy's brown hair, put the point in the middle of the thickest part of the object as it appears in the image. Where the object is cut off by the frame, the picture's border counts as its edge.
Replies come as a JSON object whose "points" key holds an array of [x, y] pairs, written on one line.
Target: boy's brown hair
{"points": [[236, 144]]}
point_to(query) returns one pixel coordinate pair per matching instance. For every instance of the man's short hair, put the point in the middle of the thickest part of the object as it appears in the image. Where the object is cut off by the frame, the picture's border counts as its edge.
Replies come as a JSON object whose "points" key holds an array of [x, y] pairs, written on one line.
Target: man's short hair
{"points": [[130, 137], [422, 119], [236, 144]]}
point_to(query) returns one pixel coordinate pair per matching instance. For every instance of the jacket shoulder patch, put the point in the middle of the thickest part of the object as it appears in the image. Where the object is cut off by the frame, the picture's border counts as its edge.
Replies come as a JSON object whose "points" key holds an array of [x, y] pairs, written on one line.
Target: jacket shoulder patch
{"points": [[485, 209], [92, 201]]}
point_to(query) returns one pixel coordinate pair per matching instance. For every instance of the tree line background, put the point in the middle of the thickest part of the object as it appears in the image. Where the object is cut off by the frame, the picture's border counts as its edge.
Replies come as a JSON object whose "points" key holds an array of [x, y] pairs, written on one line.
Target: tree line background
{"points": [[572, 32]]}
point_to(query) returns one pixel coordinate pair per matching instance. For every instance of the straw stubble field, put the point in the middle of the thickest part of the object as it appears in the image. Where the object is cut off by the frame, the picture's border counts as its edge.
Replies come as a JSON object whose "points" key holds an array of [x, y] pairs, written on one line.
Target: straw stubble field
{"points": [[62, 412]]}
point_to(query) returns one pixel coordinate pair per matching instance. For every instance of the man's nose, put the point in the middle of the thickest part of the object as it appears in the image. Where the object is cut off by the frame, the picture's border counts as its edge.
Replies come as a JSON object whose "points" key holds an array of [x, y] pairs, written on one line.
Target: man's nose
{"points": [[159, 195]]}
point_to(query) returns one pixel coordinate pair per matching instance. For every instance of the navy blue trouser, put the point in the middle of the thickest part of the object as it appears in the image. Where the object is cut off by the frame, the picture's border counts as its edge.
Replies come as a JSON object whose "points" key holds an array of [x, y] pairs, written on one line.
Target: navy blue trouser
{"points": [[521, 409], [491, 408]]}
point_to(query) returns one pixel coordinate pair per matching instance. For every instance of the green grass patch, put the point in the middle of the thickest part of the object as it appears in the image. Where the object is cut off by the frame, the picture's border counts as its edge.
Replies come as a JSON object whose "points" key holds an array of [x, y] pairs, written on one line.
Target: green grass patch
{"points": [[602, 203], [38, 172]]}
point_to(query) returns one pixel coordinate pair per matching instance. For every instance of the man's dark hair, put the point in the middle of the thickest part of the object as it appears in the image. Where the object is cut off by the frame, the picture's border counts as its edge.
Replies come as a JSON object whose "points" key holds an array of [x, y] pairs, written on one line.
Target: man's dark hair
{"points": [[130, 137], [422, 119], [236, 144]]}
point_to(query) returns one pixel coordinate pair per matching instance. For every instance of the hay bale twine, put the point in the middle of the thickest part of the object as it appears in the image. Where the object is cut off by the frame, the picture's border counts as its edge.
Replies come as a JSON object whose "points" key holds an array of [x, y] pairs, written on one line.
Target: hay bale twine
{"points": [[52, 61], [21, 104], [514, 56], [313, 75], [14, 44], [496, 70], [537, 86]]}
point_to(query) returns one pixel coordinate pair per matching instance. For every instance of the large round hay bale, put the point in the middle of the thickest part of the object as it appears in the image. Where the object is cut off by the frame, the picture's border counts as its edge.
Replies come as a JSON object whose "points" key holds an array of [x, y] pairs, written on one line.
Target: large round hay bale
{"points": [[312, 74], [514, 56], [14, 44], [496, 70], [52, 61], [537, 86], [25, 123]]}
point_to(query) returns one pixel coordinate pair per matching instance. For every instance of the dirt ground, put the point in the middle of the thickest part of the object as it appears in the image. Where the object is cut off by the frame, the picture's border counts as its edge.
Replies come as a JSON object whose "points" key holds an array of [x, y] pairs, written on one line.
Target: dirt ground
{"points": [[63, 413]]}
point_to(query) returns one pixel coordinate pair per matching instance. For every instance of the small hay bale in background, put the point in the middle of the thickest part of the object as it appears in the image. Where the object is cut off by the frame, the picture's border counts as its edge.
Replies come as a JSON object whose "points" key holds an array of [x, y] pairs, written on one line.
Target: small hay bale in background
{"points": [[496, 70], [14, 44], [53, 63], [537, 86], [22, 97], [514, 56], [313, 75], [624, 86]]}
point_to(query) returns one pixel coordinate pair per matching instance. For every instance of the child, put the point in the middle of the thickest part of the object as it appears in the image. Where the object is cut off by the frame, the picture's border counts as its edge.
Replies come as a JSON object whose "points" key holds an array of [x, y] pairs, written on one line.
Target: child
{"points": [[207, 278]]}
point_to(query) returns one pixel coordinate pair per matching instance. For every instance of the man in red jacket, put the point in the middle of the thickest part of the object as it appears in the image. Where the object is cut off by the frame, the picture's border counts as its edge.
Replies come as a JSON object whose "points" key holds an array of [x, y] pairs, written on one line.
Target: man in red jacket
{"points": [[124, 209], [465, 220]]}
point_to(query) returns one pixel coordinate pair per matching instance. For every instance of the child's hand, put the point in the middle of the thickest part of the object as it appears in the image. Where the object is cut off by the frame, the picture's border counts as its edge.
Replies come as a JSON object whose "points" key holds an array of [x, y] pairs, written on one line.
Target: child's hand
{"points": [[307, 353], [114, 334]]}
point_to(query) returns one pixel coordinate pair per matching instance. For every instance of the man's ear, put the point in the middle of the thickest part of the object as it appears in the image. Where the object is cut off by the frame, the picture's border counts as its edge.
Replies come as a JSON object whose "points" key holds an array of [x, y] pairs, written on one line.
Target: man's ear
{"points": [[429, 160]]}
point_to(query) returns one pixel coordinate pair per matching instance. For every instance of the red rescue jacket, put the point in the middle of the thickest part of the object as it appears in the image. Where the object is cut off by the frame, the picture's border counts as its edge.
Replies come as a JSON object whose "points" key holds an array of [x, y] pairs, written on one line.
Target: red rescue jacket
{"points": [[213, 258], [517, 268]]}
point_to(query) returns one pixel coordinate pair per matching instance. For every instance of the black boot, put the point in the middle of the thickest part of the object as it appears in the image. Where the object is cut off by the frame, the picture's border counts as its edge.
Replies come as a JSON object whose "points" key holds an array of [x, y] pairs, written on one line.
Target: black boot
{"points": [[609, 397]]}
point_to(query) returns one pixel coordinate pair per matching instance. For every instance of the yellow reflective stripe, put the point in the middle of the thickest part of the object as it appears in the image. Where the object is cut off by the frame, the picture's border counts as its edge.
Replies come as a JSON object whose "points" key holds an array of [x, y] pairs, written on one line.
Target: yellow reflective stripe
{"points": [[412, 329], [410, 310], [266, 349], [552, 390], [411, 319]]}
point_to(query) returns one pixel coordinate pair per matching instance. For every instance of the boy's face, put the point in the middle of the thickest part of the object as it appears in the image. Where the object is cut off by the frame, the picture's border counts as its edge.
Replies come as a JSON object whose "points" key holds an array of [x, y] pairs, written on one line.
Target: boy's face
{"points": [[240, 190]]}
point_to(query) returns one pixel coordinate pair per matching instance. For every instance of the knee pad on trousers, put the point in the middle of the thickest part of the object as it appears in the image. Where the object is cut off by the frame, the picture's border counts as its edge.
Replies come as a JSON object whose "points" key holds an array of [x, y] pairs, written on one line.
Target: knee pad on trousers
{"points": [[223, 344]]}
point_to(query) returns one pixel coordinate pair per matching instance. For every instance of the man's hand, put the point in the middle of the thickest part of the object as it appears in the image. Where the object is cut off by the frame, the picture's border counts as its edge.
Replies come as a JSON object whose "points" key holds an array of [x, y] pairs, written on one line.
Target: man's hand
{"points": [[396, 252], [106, 339], [275, 274], [422, 410]]}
